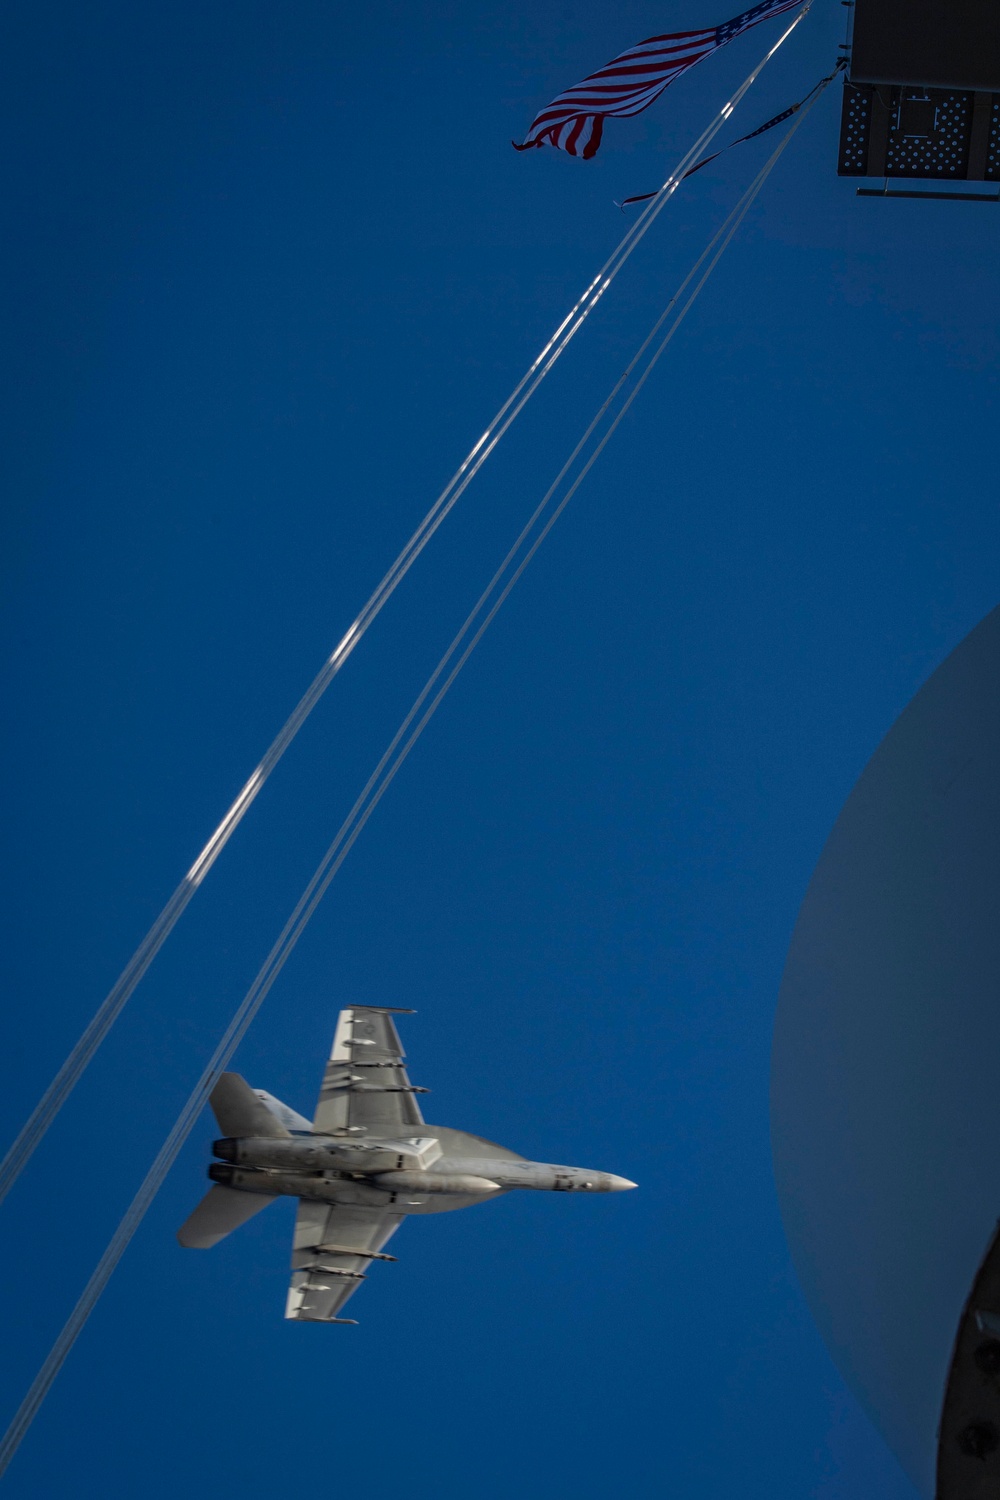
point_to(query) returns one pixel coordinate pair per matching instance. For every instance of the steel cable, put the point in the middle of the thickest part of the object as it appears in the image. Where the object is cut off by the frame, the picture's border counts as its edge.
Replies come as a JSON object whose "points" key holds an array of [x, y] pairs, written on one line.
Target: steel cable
{"points": [[111, 1007], [402, 743]]}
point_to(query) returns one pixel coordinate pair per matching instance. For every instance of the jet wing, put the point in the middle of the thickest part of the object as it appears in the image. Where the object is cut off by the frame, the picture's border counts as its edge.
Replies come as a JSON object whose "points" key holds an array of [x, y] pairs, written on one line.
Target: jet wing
{"points": [[334, 1246], [366, 1090]]}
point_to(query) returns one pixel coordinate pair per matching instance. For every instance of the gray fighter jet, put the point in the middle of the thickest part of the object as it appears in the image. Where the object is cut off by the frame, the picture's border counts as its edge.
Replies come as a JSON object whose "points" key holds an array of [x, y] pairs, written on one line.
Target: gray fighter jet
{"points": [[365, 1163]]}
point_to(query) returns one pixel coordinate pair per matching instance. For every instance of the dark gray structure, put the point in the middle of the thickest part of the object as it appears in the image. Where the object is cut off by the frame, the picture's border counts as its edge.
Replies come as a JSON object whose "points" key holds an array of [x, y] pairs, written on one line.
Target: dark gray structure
{"points": [[944, 44], [922, 95], [969, 1439], [885, 1098]]}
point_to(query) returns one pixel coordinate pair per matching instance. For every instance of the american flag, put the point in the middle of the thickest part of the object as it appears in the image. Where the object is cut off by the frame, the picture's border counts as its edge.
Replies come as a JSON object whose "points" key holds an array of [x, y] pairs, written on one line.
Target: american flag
{"points": [[631, 82]]}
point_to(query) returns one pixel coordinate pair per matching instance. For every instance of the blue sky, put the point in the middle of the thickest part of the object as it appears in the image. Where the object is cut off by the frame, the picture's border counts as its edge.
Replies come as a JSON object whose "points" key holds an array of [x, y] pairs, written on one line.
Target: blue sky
{"points": [[270, 269]]}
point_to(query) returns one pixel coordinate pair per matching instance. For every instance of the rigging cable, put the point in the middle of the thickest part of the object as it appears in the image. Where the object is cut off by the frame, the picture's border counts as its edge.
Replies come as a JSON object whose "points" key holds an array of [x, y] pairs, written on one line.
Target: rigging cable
{"points": [[111, 1007], [399, 748]]}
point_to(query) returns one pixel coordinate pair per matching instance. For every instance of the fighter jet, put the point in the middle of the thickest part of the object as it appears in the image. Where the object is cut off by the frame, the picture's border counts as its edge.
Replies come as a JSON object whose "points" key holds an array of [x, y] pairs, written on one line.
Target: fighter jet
{"points": [[366, 1162]]}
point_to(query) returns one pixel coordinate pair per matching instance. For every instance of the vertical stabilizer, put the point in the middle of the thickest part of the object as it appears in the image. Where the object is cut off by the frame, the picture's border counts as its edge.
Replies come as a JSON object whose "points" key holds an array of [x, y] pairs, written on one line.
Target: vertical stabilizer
{"points": [[240, 1111]]}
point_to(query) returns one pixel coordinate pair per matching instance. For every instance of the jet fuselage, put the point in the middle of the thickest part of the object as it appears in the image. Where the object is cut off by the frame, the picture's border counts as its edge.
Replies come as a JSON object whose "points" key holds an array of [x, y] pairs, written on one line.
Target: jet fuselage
{"points": [[330, 1168]]}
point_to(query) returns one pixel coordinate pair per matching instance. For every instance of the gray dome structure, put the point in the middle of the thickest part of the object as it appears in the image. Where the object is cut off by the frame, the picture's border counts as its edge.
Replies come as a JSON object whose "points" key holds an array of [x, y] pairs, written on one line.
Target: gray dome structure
{"points": [[885, 1086]]}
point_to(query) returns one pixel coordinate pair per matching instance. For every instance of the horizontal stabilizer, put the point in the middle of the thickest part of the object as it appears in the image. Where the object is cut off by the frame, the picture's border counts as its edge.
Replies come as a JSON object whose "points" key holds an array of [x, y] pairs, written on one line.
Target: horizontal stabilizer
{"points": [[240, 1111], [220, 1212]]}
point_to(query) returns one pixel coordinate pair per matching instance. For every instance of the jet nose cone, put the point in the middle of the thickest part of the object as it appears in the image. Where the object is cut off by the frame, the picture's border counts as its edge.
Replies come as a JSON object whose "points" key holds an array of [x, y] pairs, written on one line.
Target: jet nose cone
{"points": [[619, 1184]]}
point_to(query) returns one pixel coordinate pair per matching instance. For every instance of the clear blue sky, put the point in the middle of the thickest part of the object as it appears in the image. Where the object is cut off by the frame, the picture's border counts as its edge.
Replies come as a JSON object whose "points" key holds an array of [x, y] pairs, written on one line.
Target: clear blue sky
{"points": [[267, 271]]}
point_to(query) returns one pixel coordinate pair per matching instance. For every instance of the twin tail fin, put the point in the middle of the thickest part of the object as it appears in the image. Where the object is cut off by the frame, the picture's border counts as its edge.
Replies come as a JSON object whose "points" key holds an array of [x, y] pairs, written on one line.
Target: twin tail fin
{"points": [[239, 1111]]}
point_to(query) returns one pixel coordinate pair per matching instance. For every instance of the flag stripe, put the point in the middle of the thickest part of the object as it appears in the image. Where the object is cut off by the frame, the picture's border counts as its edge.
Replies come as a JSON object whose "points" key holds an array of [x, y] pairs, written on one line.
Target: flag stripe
{"points": [[574, 121]]}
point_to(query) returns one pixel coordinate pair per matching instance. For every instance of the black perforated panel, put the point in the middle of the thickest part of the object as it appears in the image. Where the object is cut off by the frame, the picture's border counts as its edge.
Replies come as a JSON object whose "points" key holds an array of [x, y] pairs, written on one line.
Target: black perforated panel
{"points": [[992, 171], [855, 127], [943, 134], [928, 133]]}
